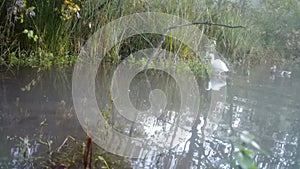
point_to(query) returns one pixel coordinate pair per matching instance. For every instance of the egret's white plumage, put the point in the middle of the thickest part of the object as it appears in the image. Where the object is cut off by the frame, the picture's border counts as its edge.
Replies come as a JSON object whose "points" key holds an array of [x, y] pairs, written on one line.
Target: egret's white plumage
{"points": [[218, 64]]}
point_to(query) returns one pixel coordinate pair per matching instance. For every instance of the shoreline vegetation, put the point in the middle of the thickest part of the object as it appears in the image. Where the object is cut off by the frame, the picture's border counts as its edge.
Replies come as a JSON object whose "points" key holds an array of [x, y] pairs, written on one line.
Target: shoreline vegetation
{"points": [[49, 34], [45, 34]]}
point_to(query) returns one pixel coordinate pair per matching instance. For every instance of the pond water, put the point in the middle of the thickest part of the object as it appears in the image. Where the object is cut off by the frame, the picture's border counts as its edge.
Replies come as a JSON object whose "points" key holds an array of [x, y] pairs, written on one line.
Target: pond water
{"points": [[252, 100]]}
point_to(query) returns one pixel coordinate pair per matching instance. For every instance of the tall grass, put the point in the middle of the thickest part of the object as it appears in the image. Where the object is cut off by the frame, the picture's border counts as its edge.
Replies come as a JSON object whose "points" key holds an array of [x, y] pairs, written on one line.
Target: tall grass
{"points": [[272, 32], [278, 27]]}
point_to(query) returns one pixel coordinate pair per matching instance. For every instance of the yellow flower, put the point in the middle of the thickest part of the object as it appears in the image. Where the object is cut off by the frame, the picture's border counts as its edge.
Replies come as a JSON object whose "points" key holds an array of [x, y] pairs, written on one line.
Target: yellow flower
{"points": [[68, 2], [76, 7]]}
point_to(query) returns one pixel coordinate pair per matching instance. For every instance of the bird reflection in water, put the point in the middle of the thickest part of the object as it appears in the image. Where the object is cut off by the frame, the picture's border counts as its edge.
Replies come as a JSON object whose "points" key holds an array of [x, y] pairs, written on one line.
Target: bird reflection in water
{"points": [[216, 83]]}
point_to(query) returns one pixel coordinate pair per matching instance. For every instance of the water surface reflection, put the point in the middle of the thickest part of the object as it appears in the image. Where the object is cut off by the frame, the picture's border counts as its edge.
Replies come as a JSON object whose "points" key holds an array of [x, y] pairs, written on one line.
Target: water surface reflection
{"points": [[269, 108]]}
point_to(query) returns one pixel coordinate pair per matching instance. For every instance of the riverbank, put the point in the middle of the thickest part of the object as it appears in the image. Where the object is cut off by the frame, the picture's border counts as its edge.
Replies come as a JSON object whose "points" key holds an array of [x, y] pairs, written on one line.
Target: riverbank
{"points": [[51, 34]]}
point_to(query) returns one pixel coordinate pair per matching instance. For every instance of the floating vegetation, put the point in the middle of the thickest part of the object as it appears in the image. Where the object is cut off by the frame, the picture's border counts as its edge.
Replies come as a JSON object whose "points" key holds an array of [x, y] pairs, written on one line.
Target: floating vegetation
{"points": [[245, 151]]}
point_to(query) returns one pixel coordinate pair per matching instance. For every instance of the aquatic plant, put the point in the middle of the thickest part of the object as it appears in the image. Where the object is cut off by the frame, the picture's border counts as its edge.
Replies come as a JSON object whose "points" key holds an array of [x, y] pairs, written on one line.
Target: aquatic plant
{"points": [[245, 152]]}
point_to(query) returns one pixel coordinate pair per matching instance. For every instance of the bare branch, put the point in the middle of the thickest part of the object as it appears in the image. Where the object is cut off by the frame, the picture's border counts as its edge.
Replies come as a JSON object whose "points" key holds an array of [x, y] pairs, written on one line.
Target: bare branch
{"points": [[204, 23], [166, 30]]}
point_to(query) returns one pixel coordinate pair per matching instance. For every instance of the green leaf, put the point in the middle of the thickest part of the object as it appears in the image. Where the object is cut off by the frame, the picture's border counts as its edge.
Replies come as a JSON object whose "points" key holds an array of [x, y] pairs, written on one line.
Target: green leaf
{"points": [[101, 158], [253, 167], [244, 159], [246, 162], [30, 34], [30, 9], [247, 152], [35, 38], [21, 18]]}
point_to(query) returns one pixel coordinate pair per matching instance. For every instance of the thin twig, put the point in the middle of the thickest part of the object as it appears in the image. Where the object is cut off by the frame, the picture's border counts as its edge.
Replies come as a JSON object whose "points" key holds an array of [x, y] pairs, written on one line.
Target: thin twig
{"points": [[204, 23], [184, 25], [217, 24]]}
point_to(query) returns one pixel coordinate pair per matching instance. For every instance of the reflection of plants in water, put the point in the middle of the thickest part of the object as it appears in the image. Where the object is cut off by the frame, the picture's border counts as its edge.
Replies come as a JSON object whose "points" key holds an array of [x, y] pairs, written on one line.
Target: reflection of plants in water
{"points": [[56, 80], [23, 152], [60, 80], [29, 85], [72, 154], [33, 83], [240, 152], [199, 68], [37, 152], [63, 113]]}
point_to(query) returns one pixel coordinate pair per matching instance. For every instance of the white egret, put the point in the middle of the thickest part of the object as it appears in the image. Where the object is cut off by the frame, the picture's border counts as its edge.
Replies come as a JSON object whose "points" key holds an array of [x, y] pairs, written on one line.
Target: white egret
{"points": [[219, 65]]}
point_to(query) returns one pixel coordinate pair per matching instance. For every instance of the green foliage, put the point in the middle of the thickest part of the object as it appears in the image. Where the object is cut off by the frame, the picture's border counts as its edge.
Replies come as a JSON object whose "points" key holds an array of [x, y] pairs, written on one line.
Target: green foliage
{"points": [[245, 158], [102, 159], [246, 151], [31, 35], [198, 68], [50, 33], [279, 27]]}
